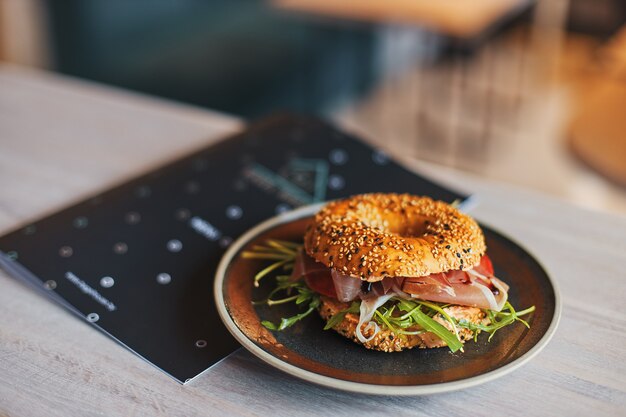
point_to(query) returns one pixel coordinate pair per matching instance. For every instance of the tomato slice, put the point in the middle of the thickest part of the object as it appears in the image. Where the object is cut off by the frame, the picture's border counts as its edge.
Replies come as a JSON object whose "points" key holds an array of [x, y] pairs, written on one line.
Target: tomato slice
{"points": [[321, 282], [485, 267]]}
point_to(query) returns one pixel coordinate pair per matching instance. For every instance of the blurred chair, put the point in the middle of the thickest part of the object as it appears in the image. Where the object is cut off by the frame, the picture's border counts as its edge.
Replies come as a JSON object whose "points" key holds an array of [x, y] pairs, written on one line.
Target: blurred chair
{"points": [[23, 33], [598, 130], [235, 56]]}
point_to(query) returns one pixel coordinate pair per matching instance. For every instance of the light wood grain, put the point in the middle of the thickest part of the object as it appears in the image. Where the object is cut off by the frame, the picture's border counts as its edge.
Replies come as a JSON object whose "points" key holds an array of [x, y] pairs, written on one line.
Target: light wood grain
{"points": [[60, 140]]}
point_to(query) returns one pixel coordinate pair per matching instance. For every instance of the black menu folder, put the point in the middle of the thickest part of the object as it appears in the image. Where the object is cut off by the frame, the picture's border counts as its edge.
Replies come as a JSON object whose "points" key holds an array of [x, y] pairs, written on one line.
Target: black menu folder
{"points": [[137, 261]]}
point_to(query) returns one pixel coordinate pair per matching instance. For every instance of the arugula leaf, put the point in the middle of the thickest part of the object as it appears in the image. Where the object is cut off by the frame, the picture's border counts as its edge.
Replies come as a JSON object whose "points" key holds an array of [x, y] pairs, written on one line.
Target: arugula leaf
{"points": [[269, 269], [438, 329], [443, 314], [290, 321], [269, 325], [304, 295], [337, 318]]}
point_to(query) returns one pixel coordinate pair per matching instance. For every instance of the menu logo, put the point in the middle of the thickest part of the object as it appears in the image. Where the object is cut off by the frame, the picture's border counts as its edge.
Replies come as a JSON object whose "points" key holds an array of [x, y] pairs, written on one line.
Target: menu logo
{"points": [[301, 181]]}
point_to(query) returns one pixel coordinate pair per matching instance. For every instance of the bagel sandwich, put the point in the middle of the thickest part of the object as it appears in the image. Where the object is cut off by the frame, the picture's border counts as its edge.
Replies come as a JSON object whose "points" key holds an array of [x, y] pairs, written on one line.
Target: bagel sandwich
{"points": [[394, 272]]}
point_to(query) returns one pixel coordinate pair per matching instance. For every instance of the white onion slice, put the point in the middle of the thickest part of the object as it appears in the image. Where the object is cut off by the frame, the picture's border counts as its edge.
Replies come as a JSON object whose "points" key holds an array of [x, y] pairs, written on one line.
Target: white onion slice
{"points": [[367, 327], [366, 312]]}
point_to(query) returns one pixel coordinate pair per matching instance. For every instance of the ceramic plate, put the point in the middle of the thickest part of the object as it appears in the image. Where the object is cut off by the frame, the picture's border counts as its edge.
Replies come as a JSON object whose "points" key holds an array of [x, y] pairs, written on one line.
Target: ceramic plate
{"points": [[324, 357]]}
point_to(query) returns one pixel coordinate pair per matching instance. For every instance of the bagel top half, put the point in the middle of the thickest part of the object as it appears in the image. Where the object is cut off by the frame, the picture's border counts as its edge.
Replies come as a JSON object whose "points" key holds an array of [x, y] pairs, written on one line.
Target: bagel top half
{"points": [[373, 236]]}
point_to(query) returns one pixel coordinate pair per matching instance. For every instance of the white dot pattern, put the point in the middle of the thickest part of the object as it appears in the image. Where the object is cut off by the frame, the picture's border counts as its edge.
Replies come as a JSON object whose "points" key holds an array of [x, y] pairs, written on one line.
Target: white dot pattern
{"points": [[164, 278], [182, 214], [174, 245], [132, 217], [380, 158], [80, 222], [107, 282], [120, 248], [336, 182], [234, 212], [282, 208], [338, 157], [66, 251]]}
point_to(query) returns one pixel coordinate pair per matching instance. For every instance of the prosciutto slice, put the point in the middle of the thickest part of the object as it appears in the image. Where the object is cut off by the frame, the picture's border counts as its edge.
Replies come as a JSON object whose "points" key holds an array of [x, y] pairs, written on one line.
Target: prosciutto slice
{"points": [[304, 265], [468, 288], [347, 287], [475, 288]]}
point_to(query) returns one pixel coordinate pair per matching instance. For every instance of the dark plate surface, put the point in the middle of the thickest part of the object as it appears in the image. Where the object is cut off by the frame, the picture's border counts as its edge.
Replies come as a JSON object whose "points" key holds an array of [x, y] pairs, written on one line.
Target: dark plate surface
{"points": [[307, 351]]}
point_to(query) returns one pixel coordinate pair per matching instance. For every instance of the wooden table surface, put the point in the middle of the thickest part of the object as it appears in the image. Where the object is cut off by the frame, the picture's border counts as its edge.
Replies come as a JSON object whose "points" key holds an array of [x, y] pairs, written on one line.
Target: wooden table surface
{"points": [[61, 139]]}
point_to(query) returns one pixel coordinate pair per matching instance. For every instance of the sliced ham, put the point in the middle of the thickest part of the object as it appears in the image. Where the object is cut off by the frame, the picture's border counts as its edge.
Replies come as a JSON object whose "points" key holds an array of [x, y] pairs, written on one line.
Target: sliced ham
{"points": [[304, 264], [475, 288], [347, 287], [474, 294]]}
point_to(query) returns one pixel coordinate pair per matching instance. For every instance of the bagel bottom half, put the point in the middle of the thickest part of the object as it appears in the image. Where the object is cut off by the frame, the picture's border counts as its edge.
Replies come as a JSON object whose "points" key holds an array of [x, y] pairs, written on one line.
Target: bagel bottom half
{"points": [[386, 340]]}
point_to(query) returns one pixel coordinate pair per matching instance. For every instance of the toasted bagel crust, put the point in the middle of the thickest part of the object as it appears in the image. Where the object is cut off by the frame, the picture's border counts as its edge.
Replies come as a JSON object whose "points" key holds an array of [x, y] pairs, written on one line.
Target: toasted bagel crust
{"points": [[372, 236], [386, 340]]}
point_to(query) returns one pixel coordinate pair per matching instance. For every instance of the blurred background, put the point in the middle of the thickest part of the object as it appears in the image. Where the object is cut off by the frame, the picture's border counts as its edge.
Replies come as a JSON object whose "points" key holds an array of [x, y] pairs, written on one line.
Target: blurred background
{"points": [[532, 93]]}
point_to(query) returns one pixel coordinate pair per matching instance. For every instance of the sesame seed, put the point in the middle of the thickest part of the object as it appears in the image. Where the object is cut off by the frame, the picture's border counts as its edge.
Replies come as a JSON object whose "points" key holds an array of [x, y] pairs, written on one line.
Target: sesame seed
{"points": [[362, 222]]}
